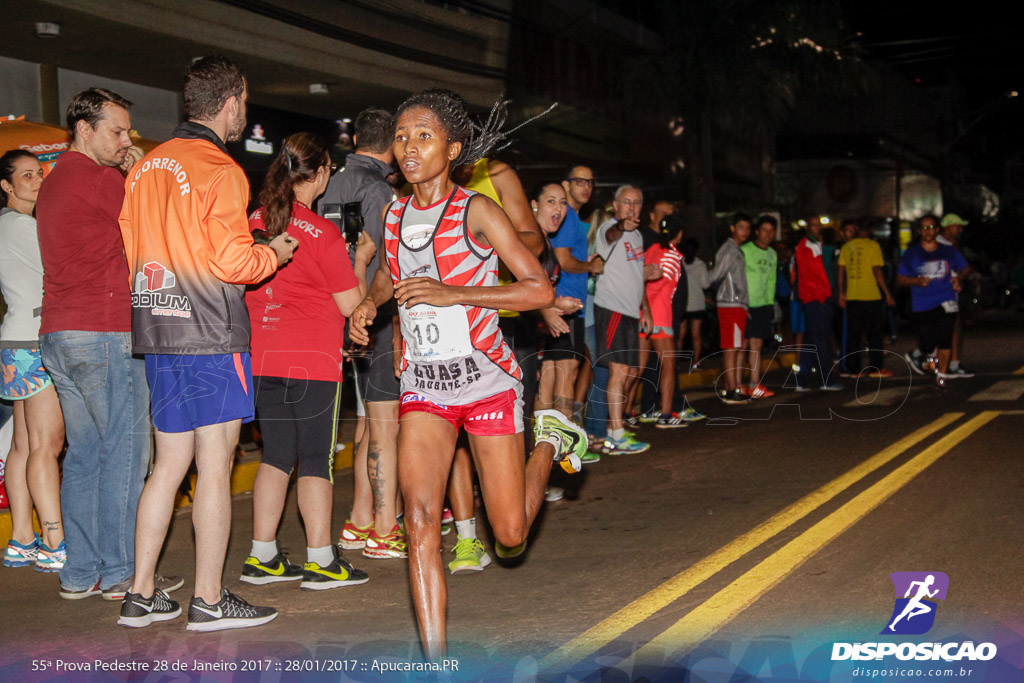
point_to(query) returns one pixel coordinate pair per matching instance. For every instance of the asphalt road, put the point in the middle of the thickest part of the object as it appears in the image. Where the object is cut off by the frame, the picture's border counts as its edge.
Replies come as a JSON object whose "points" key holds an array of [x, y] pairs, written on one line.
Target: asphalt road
{"points": [[738, 549]]}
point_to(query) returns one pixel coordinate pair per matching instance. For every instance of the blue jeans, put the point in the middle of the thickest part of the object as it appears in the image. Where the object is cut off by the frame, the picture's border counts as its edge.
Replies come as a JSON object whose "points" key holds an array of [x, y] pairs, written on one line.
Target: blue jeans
{"points": [[105, 400], [596, 422]]}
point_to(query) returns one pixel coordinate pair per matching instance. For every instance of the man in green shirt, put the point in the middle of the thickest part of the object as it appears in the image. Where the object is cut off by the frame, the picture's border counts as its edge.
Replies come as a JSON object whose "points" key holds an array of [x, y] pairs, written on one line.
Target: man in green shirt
{"points": [[861, 287], [762, 267]]}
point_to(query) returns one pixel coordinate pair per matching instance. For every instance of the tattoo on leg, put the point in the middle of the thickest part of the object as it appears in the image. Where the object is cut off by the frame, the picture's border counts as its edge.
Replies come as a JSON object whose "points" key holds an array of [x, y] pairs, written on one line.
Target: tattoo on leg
{"points": [[376, 480], [51, 526], [564, 405]]}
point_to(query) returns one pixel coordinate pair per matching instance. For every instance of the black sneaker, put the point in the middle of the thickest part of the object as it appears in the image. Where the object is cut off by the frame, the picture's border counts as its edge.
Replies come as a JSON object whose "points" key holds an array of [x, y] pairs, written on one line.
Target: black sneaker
{"points": [[961, 371], [137, 611], [916, 363], [734, 397], [278, 569], [231, 612], [337, 573]]}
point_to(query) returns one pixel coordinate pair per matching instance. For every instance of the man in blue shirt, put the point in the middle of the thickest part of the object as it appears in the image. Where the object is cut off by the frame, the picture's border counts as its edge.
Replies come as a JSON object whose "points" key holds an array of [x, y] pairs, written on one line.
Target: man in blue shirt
{"points": [[928, 267], [564, 352]]}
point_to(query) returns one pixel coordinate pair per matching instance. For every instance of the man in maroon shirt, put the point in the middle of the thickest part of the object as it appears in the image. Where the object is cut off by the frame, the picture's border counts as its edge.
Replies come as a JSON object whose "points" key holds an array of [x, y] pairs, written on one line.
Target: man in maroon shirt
{"points": [[85, 337]]}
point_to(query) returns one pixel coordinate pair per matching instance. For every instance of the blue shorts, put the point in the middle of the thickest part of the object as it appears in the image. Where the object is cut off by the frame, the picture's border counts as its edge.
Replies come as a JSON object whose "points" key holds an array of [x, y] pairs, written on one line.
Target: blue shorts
{"points": [[23, 374], [187, 392], [797, 321]]}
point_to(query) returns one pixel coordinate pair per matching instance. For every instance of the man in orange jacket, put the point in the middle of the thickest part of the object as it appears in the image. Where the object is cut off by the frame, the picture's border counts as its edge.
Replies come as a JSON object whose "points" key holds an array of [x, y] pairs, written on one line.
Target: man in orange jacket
{"points": [[190, 254]]}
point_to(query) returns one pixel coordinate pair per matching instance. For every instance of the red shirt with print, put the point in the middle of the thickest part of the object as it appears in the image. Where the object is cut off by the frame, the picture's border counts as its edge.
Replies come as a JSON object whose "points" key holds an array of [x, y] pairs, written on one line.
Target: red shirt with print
{"points": [[661, 291], [297, 329]]}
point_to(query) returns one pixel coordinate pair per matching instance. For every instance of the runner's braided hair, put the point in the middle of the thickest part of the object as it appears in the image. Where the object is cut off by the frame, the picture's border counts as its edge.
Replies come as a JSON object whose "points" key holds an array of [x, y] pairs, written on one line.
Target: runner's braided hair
{"points": [[478, 139]]}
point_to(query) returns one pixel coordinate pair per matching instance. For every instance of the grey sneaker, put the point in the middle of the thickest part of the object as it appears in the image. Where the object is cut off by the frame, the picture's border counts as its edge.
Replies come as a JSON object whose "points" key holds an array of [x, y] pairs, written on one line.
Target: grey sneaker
{"points": [[69, 594], [231, 612], [137, 611], [167, 584]]}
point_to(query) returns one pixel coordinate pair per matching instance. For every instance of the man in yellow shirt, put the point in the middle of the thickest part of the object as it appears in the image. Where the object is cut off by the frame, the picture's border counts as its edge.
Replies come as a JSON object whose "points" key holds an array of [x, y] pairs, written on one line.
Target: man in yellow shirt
{"points": [[861, 288]]}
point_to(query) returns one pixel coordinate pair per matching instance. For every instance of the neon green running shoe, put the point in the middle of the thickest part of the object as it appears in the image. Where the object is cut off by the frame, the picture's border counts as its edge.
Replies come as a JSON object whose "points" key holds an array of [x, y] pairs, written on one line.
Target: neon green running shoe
{"points": [[470, 556], [572, 437], [504, 552]]}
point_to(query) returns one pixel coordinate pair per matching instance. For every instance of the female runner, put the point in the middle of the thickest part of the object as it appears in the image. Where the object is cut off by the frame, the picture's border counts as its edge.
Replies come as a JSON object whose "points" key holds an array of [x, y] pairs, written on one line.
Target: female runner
{"points": [[442, 245]]}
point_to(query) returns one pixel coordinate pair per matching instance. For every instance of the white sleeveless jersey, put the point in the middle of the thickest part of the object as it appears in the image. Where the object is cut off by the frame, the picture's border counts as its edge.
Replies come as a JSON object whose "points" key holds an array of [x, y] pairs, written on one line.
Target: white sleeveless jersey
{"points": [[452, 355]]}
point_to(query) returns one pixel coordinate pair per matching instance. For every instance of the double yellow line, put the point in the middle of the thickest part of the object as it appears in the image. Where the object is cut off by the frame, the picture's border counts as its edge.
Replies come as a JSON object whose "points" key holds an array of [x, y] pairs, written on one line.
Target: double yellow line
{"points": [[722, 607]]}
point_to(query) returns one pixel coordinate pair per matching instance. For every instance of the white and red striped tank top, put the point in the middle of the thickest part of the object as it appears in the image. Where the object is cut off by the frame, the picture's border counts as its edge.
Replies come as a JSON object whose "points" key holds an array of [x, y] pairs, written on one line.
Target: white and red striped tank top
{"points": [[452, 355]]}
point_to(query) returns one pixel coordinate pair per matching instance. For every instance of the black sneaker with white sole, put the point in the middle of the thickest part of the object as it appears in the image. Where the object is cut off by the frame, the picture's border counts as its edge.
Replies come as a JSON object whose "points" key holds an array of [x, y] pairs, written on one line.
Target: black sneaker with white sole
{"points": [[338, 573], [231, 612], [261, 573], [137, 611]]}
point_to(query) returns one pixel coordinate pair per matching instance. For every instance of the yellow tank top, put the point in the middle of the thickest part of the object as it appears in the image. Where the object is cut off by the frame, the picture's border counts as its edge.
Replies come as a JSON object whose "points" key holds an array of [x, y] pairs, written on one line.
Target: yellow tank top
{"points": [[480, 182]]}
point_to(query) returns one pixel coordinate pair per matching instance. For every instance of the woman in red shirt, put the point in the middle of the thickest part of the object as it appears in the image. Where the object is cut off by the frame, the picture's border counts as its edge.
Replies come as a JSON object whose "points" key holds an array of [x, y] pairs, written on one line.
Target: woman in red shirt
{"points": [[298, 320], [660, 291]]}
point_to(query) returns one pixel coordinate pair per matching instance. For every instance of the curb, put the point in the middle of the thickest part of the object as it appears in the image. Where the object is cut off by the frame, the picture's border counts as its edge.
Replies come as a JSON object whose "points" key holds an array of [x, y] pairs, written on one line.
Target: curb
{"points": [[707, 377], [242, 477]]}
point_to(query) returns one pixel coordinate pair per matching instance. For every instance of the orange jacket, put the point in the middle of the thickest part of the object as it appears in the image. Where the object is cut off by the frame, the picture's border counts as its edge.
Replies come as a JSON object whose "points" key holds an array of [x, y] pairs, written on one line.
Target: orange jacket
{"points": [[189, 249]]}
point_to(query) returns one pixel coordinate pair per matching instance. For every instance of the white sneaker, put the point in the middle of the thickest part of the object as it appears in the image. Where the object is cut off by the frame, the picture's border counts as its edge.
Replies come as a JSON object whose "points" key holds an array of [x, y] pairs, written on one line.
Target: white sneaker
{"points": [[553, 493]]}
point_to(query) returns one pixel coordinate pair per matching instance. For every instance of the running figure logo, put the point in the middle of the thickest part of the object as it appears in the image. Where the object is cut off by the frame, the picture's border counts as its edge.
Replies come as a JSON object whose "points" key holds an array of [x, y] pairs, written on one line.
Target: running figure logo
{"points": [[914, 612]]}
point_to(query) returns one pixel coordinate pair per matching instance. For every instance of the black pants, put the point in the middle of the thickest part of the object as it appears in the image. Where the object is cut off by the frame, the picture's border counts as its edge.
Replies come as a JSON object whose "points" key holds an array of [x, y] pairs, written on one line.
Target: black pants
{"points": [[864, 319], [520, 332], [934, 329], [816, 352]]}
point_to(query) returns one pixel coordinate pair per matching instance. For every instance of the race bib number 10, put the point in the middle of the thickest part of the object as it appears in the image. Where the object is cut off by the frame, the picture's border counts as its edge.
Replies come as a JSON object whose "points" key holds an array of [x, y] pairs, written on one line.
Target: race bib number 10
{"points": [[433, 333]]}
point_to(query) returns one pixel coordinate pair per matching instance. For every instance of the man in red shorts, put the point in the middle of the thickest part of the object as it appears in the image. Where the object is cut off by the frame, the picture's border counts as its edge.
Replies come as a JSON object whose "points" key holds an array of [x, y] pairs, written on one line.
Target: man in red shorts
{"points": [[730, 277]]}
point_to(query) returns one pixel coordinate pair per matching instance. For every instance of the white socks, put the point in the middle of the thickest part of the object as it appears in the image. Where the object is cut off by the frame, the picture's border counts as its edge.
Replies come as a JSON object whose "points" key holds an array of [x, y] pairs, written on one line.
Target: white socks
{"points": [[466, 528], [264, 551], [321, 556]]}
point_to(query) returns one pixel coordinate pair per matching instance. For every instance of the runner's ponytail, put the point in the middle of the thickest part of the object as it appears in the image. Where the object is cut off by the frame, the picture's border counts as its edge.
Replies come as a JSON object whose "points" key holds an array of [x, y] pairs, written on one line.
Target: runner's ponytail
{"points": [[300, 157]]}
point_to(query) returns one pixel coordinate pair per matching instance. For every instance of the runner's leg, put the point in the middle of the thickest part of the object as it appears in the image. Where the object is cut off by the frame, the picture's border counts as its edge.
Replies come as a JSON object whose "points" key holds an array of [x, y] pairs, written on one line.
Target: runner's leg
{"points": [[45, 423], [426, 446], [460, 486], [382, 463], [211, 511], [362, 493], [174, 453], [565, 383], [16, 479], [512, 491], [665, 348]]}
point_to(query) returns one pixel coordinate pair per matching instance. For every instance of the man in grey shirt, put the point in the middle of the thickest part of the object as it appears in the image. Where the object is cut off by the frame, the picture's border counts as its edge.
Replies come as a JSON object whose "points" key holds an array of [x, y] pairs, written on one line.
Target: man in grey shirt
{"points": [[729, 276], [621, 311], [373, 525]]}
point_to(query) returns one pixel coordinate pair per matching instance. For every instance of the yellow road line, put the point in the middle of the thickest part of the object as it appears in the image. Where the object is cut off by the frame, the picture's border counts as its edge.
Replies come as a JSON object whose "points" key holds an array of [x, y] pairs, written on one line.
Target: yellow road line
{"points": [[722, 607], [645, 606]]}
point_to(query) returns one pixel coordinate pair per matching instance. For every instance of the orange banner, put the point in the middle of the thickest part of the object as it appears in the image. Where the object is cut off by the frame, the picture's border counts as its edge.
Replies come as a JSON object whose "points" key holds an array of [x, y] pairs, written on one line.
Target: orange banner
{"points": [[46, 141]]}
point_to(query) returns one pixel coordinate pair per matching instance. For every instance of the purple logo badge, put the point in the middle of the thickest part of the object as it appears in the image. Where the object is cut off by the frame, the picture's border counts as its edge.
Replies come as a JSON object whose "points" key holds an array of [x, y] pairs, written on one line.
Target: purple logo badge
{"points": [[916, 595]]}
